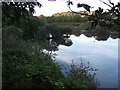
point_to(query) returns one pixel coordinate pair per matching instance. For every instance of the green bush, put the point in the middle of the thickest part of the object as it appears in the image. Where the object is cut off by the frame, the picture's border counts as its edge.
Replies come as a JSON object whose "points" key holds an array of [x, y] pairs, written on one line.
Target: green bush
{"points": [[21, 70], [25, 65], [81, 76]]}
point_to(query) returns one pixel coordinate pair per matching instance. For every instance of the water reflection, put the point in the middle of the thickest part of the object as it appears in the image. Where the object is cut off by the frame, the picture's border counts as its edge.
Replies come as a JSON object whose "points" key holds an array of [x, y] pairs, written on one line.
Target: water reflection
{"points": [[98, 46], [52, 41], [52, 44], [102, 55], [102, 34]]}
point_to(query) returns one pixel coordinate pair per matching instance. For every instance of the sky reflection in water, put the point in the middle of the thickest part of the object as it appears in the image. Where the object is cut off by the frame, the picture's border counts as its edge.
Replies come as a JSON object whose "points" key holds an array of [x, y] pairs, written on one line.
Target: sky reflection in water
{"points": [[102, 55]]}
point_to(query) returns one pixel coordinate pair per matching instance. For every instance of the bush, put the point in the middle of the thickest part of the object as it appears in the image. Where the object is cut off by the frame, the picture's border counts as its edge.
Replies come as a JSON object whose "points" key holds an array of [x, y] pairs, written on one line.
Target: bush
{"points": [[81, 76], [20, 70], [25, 65]]}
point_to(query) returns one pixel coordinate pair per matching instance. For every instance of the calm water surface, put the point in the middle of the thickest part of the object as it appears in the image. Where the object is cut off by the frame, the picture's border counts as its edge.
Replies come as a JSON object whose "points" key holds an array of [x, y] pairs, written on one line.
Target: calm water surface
{"points": [[102, 55]]}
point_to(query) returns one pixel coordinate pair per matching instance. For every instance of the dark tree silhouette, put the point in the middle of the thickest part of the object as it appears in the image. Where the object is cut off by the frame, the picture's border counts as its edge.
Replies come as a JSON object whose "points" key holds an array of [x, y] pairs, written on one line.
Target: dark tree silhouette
{"points": [[87, 7], [13, 12], [98, 14]]}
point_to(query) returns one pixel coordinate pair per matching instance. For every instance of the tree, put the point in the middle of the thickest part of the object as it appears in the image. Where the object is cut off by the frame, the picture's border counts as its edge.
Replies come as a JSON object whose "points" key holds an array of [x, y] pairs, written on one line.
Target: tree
{"points": [[98, 14], [14, 12]]}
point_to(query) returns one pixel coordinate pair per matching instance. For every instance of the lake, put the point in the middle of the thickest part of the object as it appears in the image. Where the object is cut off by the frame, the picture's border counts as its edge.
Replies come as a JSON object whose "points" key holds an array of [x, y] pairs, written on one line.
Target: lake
{"points": [[100, 49]]}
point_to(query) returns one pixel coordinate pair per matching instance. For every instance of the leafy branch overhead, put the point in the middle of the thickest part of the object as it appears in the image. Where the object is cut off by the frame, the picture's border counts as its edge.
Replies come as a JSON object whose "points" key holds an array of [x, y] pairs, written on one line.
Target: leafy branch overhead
{"points": [[85, 6], [99, 14], [12, 11], [70, 3]]}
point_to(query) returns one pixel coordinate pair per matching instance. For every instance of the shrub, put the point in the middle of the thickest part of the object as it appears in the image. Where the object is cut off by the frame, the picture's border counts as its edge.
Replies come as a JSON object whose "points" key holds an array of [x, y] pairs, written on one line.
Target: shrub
{"points": [[25, 65], [81, 76]]}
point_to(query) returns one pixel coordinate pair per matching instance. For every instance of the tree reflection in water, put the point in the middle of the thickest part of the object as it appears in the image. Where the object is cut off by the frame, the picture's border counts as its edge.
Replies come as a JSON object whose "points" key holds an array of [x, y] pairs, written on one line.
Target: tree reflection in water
{"points": [[52, 44], [100, 34]]}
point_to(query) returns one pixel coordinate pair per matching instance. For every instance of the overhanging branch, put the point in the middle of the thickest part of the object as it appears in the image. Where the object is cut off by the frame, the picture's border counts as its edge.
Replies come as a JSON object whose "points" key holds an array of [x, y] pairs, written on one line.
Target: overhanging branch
{"points": [[106, 3], [78, 12], [111, 2]]}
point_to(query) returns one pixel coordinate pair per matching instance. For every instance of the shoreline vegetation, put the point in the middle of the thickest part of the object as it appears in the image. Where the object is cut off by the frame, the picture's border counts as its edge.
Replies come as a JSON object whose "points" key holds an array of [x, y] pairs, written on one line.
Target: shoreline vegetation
{"points": [[25, 65]]}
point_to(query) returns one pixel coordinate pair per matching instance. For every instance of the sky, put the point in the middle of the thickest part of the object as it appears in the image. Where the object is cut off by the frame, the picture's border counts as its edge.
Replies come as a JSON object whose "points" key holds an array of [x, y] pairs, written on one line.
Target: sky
{"points": [[50, 7]]}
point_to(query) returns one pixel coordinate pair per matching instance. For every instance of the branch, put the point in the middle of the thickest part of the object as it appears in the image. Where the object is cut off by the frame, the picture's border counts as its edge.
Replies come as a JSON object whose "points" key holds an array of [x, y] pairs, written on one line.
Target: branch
{"points": [[78, 12], [105, 3], [111, 2]]}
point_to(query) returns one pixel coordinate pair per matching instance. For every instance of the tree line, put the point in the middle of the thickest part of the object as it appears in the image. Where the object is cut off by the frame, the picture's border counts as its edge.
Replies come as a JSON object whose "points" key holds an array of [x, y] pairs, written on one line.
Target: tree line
{"points": [[65, 17]]}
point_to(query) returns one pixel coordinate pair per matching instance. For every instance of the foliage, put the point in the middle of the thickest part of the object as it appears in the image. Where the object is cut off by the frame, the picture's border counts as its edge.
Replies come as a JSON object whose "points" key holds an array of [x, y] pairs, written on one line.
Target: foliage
{"points": [[65, 30], [55, 30], [87, 7], [31, 28], [99, 14], [25, 65], [82, 76], [67, 17], [64, 17], [13, 12], [22, 71], [21, 64]]}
